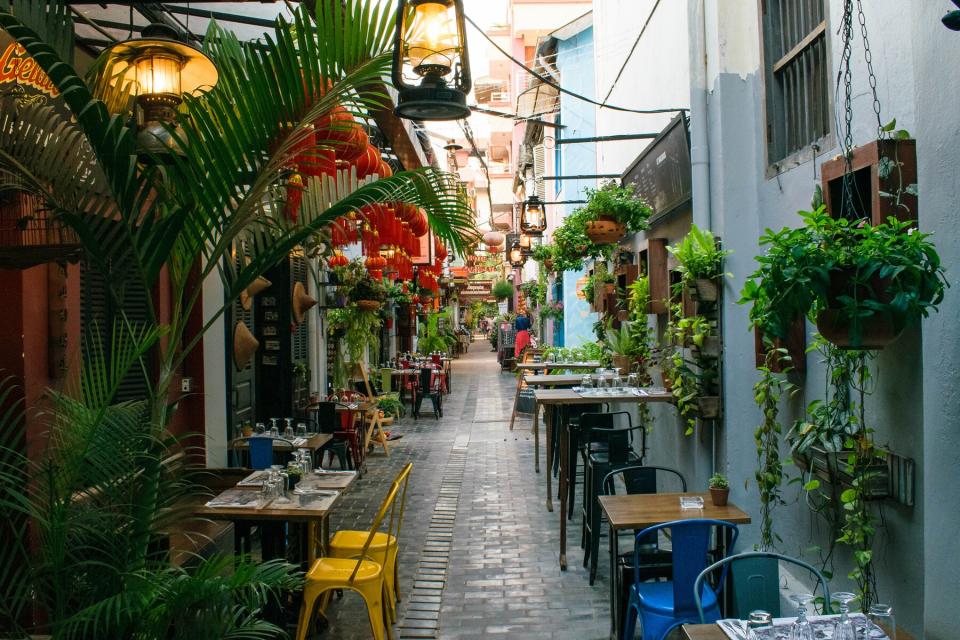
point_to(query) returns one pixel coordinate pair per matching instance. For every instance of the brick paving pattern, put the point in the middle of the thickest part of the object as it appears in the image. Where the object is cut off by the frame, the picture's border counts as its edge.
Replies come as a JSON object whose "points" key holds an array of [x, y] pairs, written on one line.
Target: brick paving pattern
{"points": [[502, 577]]}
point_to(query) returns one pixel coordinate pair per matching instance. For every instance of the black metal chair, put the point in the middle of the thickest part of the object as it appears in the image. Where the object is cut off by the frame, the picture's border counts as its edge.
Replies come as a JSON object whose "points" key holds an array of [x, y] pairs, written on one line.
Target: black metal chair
{"points": [[655, 563], [328, 421], [604, 448], [425, 389]]}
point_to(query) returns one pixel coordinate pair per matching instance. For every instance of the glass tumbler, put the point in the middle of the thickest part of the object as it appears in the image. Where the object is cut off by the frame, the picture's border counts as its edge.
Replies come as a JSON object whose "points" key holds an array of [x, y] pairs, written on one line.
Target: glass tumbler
{"points": [[880, 622], [844, 629], [802, 629], [758, 621]]}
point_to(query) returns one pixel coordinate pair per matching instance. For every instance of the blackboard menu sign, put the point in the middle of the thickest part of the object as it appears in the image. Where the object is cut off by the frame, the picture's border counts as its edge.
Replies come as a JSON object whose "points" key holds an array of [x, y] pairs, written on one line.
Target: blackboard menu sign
{"points": [[661, 173]]}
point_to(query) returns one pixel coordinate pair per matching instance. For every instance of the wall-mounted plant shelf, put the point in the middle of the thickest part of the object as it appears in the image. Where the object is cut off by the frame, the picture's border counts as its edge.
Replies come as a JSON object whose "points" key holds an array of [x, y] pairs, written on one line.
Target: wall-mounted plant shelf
{"points": [[653, 261], [890, 477], [881, 168]]}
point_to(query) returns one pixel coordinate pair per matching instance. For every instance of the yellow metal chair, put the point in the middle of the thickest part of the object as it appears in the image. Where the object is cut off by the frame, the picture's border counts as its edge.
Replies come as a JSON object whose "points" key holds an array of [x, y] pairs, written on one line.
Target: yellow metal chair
{"points": [[364, 576], [350, 544]]}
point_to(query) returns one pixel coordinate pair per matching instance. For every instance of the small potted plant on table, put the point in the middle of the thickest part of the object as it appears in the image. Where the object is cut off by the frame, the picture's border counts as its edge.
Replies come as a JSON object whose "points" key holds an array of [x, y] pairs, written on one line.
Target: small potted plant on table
{"points": [[719, 490]]}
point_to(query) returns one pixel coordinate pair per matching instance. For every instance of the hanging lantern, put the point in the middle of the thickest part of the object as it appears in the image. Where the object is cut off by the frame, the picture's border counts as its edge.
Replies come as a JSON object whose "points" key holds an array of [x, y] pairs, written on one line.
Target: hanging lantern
{"points": [[517, 258], [159, 69], [368, 163], [533, 220], [337, 260], [430, 44], [492, 239]]}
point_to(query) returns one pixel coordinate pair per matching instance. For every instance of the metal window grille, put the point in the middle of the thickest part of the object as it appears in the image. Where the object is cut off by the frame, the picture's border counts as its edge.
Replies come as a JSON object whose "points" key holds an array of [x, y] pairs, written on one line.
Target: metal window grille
{"points": [[797, 69]]}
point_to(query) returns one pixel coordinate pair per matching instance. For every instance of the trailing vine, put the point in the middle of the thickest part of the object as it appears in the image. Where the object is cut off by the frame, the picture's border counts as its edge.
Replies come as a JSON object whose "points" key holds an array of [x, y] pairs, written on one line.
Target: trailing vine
{"points": [[838, 425], [768, 392]]}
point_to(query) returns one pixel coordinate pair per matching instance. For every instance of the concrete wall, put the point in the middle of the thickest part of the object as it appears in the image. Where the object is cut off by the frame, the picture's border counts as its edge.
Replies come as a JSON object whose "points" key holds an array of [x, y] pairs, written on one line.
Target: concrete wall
{"points": [[575, 61], [914, 408]]}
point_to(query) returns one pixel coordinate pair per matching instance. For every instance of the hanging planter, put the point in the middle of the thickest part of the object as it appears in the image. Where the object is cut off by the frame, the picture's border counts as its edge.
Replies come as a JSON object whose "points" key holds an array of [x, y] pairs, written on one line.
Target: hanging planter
{"points": [[708, 407], [706, 290], [605, 230], [368, 305]]}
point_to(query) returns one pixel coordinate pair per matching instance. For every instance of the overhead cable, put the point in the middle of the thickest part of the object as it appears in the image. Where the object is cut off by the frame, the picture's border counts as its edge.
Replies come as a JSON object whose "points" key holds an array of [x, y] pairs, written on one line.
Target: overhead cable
{"points": [[547, 81]]}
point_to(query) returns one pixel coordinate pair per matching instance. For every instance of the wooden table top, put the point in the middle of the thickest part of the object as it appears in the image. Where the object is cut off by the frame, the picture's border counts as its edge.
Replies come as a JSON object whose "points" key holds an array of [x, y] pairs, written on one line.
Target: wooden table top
{"points": [[713, 632], [638, 511], [313, 443], [532, 366], [703, 632], [569, 396]]}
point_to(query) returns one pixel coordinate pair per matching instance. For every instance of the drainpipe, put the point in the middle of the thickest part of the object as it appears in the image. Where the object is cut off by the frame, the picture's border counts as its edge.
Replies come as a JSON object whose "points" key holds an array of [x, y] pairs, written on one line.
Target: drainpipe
{"points": [[700, 142]]}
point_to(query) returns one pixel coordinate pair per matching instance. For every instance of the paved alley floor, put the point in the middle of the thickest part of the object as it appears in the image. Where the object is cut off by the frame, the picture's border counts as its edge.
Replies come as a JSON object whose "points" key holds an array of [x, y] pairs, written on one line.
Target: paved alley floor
{"points": [[479, 550]]}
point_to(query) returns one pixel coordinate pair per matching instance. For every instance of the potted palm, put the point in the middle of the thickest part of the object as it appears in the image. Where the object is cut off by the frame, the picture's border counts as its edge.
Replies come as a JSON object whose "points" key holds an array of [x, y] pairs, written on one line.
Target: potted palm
{"points": [[861, 283], [622, 346], [700, 261], [719, 490], [614, 211]]}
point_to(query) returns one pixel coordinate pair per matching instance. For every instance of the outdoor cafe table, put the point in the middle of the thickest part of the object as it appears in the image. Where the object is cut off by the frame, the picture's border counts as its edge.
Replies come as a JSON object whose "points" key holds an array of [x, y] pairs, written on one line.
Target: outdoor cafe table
{"points": [[314, 515], [526, 367], [639, 511], [545, 380], [313, 442], [713, 632], [556, 399]]}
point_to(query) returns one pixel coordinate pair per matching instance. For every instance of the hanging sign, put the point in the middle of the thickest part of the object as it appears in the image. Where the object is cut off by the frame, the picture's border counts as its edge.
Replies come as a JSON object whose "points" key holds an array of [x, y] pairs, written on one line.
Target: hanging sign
{"points": [[23, 82]]}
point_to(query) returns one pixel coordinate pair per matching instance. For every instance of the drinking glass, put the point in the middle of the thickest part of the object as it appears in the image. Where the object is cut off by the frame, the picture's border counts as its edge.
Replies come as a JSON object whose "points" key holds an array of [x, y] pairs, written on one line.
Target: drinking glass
{"points": [[261, 428], [757, 621], [633, 381], [880, 622], [306, 461], [302, 429], [844, 629], [616, 383], [586, 385], [274, 431], [802, 629]]}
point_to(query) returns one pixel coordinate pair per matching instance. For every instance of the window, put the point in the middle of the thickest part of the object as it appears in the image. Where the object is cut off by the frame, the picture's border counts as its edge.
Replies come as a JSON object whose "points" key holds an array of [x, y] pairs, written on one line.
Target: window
{"points": [[797, 75]]}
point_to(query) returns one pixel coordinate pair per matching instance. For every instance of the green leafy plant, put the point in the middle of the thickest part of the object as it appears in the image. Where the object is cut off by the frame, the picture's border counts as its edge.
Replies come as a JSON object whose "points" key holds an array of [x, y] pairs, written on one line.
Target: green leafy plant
{"points": [[431, 338], [360, 330], [391, 406], [718, 481], [535, 291], [692, 330], [622, 341], [689, 379], [552, 310], [858, 270], [684, 388], [501, 289], [622, 203], [698, 255], [768, 393], [572, 245], [542, 252]]}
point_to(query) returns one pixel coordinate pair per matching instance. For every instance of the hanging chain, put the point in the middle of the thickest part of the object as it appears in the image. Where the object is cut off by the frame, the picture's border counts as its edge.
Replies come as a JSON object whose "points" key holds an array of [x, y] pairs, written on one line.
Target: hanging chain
{"points": [[868, 56], [846, 30]]}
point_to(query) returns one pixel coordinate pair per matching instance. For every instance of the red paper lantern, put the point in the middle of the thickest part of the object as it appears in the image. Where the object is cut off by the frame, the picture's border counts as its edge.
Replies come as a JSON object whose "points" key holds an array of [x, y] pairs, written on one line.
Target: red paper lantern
{"points": [[384, 170], [368, 163], [337, 260], [294, 196], [419, 225]]}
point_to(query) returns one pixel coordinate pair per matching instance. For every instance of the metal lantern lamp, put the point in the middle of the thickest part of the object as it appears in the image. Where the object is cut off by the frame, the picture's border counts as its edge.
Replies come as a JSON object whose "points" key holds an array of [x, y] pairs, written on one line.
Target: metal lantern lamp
{"points": [[533, 221], [517, 256], [160, 69], [430, 45]]}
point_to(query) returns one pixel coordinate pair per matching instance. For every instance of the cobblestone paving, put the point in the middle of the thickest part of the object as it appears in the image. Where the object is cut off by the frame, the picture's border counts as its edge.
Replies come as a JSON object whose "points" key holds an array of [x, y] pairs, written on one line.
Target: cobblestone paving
{"points": [[503, 578]]}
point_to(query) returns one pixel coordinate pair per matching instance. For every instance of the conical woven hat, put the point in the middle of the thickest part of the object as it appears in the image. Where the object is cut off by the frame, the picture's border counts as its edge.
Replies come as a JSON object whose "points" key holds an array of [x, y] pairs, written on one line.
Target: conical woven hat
{"points": [[301, 302], [244, 345], [246, 296]]}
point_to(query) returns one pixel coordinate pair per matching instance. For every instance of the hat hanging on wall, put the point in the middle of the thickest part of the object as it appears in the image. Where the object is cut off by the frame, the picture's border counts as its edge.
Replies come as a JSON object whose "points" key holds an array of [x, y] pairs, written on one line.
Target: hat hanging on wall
{"points": [[301, 302], [244, 346], [255, 287]]}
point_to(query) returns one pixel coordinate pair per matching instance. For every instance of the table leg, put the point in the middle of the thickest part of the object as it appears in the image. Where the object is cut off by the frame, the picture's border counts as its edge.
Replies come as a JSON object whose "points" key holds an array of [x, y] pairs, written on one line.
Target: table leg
{"points": [[615, 588], [516, 399], [548, 419], [536, 436], [564, 452]]}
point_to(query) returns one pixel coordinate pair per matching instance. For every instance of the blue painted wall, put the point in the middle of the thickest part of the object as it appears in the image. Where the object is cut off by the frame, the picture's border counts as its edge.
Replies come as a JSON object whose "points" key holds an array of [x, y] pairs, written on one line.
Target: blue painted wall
{"points": [[575, 62]]}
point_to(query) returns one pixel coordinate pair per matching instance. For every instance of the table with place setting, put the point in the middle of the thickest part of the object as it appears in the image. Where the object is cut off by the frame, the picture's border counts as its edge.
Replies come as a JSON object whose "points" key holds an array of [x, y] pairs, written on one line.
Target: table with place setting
{"points": [[555, 401]]}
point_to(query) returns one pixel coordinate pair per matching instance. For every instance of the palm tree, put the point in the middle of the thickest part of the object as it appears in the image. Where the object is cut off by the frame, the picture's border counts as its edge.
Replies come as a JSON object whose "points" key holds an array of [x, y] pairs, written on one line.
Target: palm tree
{"points": [[189, 217]]}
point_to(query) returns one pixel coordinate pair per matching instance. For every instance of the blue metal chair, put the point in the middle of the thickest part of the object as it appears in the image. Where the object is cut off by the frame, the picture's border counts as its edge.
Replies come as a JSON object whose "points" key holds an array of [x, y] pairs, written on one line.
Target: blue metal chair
{"points": [[756, 582], [663, 606], [261, 450]]}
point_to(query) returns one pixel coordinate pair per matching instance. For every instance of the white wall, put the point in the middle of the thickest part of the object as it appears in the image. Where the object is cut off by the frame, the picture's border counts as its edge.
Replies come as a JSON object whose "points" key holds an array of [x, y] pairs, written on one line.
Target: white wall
{"points": [[214, 377], [656, 76]]}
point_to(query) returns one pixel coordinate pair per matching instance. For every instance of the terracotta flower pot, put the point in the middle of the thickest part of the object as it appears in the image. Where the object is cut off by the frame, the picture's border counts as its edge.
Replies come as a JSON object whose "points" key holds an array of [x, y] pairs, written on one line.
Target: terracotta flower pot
{"points": [[719, 497], [605, 230], [368, 305], [622, 364]]}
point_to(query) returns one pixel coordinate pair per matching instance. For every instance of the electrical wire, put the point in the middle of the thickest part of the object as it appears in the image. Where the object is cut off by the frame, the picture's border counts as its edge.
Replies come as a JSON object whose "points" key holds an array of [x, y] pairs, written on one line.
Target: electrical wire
{"points": [[468, 134], [632, 49], [547, 81]]}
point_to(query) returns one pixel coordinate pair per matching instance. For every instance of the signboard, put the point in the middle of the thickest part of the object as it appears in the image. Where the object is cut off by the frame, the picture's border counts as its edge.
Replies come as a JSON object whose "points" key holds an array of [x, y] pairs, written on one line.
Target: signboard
{"points": [[477, 290], [22, 81], [502, 307], [661, 173]]}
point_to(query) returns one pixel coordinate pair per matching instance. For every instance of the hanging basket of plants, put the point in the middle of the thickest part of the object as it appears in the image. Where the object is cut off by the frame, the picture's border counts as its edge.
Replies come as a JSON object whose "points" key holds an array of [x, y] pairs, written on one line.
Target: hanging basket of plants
{"points": [[368, 305], [605, 230], [862, 284]]}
